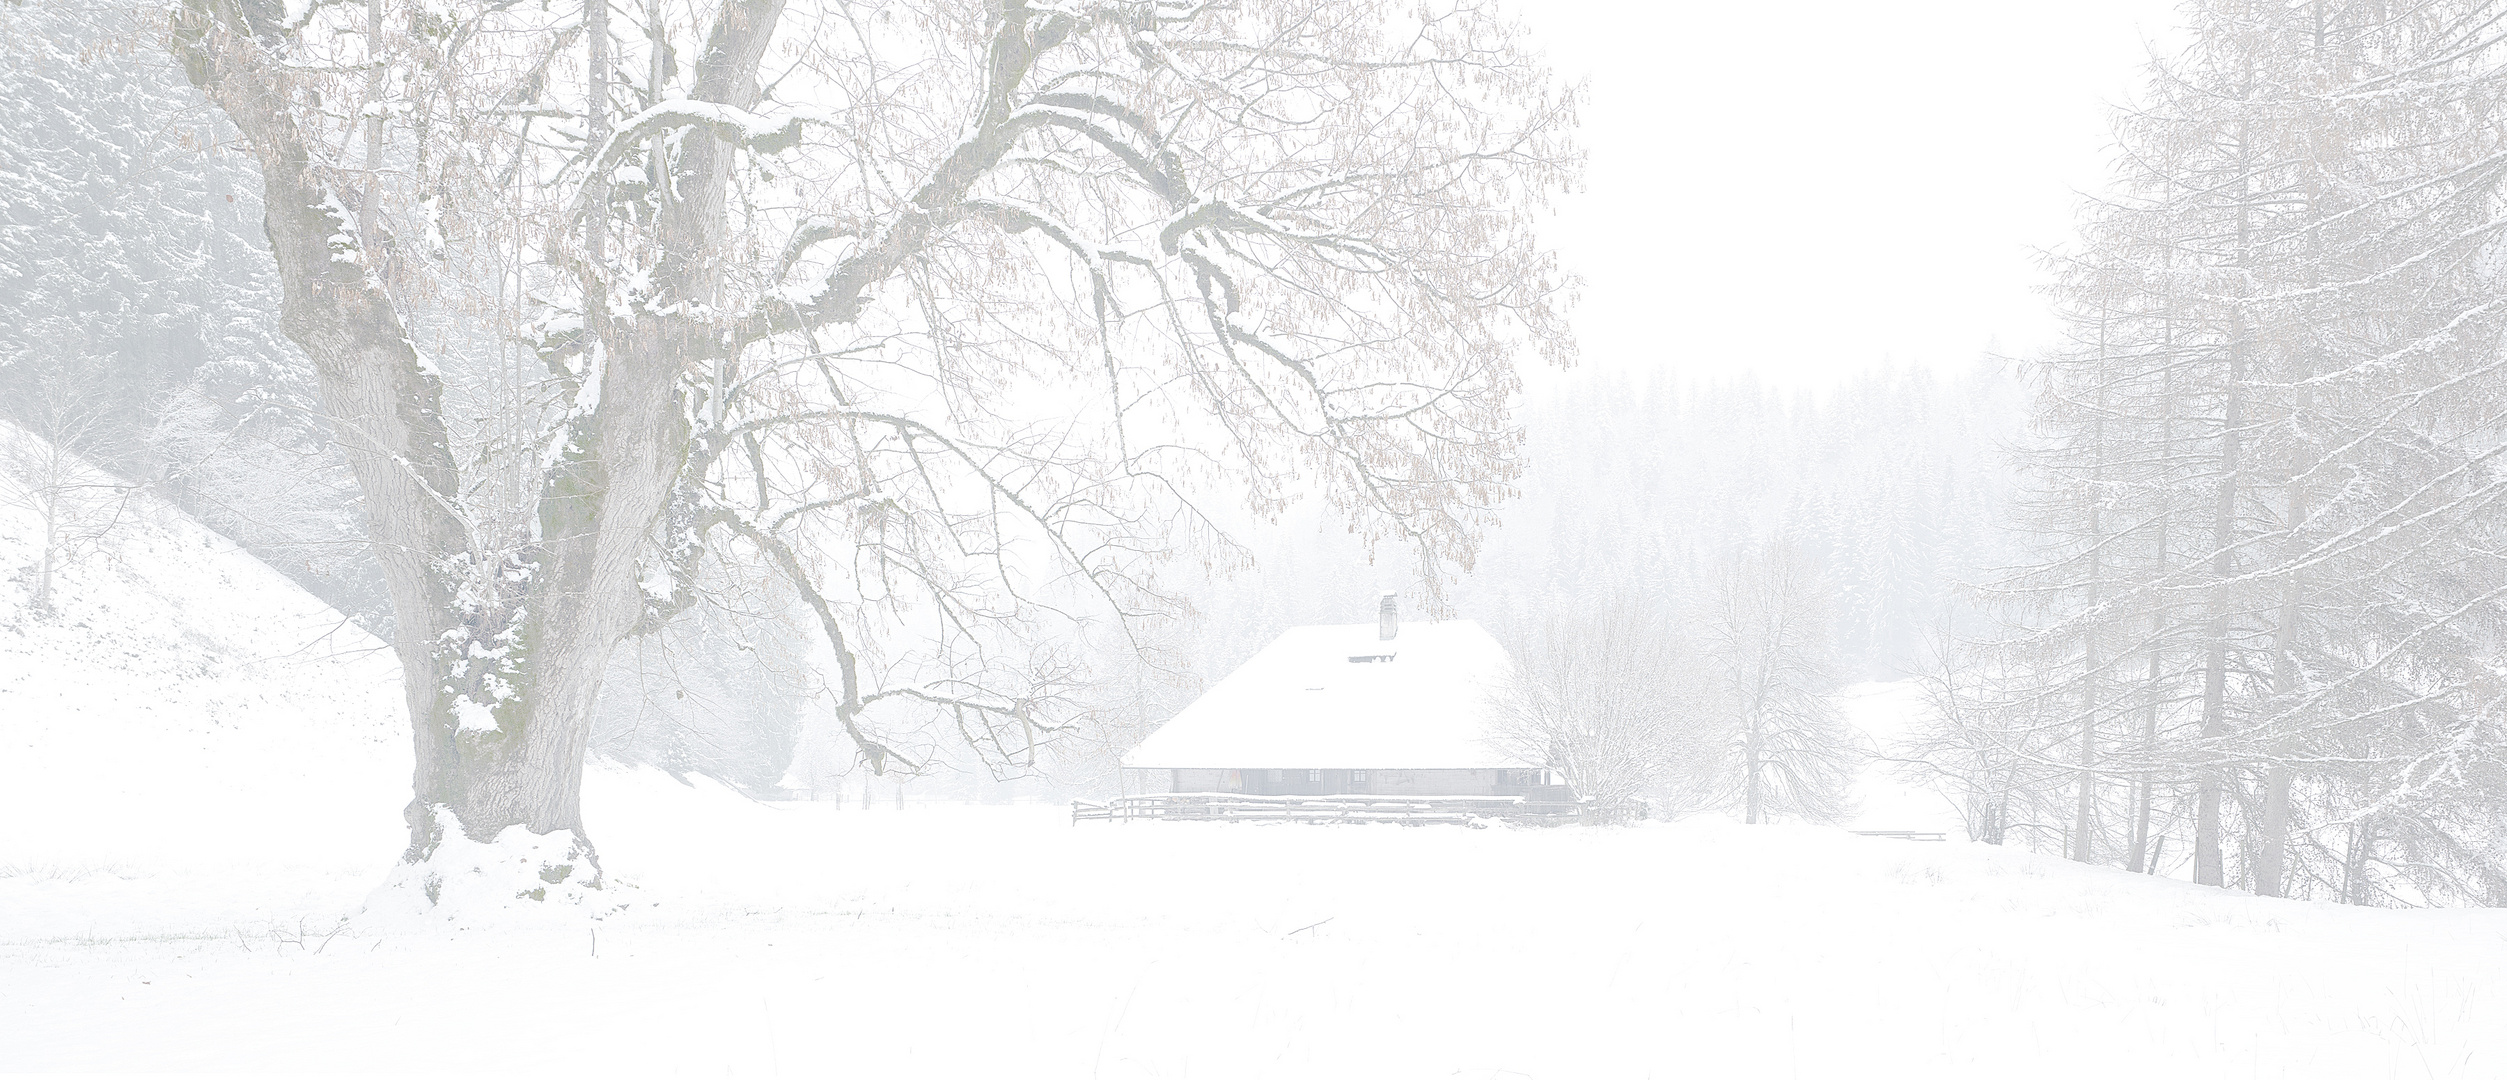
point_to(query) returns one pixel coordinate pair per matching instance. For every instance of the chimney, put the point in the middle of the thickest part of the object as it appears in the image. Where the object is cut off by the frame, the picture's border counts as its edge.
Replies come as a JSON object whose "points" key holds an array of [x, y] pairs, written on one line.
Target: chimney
{"points": [[1387, 617]]}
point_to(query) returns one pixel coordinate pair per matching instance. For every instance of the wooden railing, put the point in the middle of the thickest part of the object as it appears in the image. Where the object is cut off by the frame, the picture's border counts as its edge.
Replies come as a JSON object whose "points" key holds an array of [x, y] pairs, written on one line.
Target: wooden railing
{"points": [[1413, 809]]}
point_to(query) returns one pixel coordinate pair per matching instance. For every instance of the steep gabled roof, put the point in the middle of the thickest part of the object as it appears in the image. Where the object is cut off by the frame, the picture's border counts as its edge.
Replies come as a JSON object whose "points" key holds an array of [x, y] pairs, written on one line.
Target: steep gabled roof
{"points": [[1301, 703]]}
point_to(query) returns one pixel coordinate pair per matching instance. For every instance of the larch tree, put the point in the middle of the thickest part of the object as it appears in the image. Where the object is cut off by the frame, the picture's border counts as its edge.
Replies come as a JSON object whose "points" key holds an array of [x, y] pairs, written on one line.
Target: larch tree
{"points": [[2267, 469], [949, 313]]}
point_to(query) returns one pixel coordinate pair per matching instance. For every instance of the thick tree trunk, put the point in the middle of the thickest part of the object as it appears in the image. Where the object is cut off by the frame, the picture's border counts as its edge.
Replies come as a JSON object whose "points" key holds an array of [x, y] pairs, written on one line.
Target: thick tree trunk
{"points": [[2085, 796], [2272, 847], [501, 652], [384, 404], [2142, 858], [2355, 863], [2209, 861], [2289, 628], [1997, 814], [2136, 859], [487, 762], [596, 125], [1749, 770]]}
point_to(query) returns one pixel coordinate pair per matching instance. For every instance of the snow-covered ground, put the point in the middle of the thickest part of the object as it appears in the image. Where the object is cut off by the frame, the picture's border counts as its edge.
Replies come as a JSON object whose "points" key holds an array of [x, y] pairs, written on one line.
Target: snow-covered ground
{"points": [[1883, 797], [185, 708], [986, 942], [201, 774]]}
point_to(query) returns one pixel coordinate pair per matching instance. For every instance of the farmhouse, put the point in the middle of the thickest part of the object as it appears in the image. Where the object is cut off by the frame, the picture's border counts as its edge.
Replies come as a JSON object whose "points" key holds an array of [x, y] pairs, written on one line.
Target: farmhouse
{"points": [[1378, 709]]}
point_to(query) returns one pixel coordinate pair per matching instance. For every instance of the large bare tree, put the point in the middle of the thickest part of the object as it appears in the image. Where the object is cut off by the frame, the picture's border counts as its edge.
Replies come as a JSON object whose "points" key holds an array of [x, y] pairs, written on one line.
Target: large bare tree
{"points": [[949, 312]]}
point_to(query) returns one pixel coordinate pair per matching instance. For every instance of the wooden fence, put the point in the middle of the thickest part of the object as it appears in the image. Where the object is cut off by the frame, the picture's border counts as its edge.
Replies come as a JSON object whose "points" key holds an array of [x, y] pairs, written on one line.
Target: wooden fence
{"points": [[1409, 810]]}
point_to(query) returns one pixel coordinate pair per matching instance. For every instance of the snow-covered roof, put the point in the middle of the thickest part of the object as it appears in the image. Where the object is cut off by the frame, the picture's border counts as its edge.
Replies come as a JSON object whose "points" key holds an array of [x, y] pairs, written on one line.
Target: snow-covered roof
{"points": [[1302, 703]]}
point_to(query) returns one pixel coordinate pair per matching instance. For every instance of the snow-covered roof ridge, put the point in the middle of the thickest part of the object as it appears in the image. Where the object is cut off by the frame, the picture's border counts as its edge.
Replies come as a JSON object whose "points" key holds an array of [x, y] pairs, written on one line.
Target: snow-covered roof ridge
{"points": [[1303, 703]]}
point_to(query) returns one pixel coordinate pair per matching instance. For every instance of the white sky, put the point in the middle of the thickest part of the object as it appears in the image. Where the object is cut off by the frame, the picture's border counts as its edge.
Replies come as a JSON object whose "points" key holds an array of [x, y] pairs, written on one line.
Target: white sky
{"points": [[1800, 190]]}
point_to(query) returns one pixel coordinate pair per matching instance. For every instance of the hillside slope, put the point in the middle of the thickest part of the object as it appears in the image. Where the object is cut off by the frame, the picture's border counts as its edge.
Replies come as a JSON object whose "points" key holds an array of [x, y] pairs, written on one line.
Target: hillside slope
{"points": [[182, 707]]}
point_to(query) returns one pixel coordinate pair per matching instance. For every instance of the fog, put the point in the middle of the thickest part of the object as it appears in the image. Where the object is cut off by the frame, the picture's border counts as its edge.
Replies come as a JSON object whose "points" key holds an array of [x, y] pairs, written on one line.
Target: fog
{"points": [[1801, 193], [979, 537]]}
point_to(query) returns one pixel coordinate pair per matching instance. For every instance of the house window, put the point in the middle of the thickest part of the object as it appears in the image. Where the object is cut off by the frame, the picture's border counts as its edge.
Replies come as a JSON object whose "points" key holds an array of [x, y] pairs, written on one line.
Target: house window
{"points": [[1278, 775], [1357, 776], [1314, 776]]}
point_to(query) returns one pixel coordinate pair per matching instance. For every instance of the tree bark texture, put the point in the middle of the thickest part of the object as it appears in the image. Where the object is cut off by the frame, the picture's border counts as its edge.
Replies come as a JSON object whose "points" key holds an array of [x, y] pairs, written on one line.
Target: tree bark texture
{"points": [[501, 655]]}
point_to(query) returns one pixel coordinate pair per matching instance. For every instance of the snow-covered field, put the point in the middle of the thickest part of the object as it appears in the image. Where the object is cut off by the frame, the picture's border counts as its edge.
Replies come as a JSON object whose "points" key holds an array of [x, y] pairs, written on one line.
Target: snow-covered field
{"points": [[987, 942], [201, 772]]}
